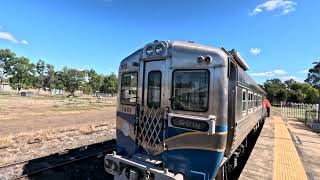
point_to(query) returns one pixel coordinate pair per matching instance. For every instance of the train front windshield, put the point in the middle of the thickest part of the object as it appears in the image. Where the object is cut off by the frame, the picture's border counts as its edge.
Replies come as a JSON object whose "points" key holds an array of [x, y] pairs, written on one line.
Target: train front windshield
{"points": [[190, 90]]}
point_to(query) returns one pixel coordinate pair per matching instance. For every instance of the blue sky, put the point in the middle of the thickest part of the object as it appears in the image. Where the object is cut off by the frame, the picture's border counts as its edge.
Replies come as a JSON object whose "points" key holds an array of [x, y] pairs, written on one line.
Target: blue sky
{"points": [[278, 38]]}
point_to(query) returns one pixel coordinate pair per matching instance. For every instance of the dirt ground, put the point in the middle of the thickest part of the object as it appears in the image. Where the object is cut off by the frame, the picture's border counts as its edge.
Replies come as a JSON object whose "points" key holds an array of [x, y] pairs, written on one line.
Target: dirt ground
{"points": [[32, 127], [25, 114]]}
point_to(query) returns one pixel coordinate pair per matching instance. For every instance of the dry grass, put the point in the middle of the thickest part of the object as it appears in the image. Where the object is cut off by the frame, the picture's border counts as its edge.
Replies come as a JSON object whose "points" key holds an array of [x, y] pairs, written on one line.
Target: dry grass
{"points": [[20, 114], [25, 146], [13, 107]]}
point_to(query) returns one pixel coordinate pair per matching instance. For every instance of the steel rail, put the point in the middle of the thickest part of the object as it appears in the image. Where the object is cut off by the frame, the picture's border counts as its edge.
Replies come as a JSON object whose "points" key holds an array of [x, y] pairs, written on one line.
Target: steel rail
{"points": [[106, 146], [64, 163]]}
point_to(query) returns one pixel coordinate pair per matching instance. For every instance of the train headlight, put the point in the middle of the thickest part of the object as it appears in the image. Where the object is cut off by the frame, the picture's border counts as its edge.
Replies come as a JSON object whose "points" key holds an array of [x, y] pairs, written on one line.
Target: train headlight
{"points": [[159, 50], [200, 59], [208, 59], [197, 125], [149, 50]]}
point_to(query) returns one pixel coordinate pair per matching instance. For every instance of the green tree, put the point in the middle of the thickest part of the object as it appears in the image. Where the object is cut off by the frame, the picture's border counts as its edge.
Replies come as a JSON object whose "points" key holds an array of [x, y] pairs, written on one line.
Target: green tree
{"points": [[58, 81], [110, 83], [49, 77], [94, 80], [288, 83], [39, 78], [73, 79], [276, 90], [21, 72], [314, 76], [5, 56]]}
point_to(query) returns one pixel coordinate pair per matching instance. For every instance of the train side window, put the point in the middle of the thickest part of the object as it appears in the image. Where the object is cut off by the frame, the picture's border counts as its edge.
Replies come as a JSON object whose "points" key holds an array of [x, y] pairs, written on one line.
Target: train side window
{"points": [[255, 100], [154, 89], [244, 102], [260, 101], [250, 102], [129, 86]]}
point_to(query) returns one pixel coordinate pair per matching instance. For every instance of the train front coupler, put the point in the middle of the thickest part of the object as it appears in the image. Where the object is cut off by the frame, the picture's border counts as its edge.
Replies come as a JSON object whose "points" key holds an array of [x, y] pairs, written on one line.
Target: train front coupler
{"points": [[137, 167]]}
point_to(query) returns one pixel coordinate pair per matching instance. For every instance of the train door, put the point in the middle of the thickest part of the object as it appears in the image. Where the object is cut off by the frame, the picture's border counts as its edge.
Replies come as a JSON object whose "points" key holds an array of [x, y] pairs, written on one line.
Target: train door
{"points": [[232, 88], [151, 119]]}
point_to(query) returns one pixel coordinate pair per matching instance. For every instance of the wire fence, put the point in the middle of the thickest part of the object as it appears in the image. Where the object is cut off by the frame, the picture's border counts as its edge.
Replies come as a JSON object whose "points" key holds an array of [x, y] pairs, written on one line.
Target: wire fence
{"points": [[308, 113]]}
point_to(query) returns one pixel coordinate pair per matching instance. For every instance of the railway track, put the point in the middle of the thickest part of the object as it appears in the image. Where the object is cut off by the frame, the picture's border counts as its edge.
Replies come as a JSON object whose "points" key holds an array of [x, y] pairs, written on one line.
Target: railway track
{"points": [[49, 165]]}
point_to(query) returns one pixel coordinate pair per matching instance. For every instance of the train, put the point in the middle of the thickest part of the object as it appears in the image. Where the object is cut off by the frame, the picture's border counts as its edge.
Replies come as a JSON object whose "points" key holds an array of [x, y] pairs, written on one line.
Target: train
{"points": [[185, 111]]}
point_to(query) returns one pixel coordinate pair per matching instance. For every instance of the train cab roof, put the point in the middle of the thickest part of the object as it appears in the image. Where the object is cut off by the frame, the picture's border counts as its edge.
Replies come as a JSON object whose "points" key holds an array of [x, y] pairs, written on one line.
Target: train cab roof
{"points": [[158, 50]]}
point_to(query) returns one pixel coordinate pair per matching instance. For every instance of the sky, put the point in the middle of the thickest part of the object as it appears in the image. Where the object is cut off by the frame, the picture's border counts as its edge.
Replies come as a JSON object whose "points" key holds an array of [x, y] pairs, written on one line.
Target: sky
{"points": [[278, 38]]}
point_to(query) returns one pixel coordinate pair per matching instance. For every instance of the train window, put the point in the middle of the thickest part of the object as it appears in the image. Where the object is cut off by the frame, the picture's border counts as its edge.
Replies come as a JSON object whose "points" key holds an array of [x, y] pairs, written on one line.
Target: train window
{"points": [[260, 101], [129, 82], [255, 100], [190, 90], [244, 102], [154, 89], [250, 101]]}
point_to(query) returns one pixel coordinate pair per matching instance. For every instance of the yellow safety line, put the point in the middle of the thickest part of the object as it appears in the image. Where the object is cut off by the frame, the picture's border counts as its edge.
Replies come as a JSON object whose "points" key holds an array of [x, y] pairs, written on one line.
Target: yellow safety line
{"points": [[286, 163]]}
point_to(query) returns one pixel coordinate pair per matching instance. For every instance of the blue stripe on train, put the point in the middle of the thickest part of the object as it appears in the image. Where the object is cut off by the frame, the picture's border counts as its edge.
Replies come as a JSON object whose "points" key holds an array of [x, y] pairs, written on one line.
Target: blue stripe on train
{"points": [[131, 118], [221, 128], [188, 160], [125, 145]]}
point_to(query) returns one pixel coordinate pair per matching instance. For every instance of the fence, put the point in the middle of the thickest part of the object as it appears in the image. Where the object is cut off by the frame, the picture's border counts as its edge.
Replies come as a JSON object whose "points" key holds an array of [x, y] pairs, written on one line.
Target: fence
{"points": [[306, 112], [297, 110]]}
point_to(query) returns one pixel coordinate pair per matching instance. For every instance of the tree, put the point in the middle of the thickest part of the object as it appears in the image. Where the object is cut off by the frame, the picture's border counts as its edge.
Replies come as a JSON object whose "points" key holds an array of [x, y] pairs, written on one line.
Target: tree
{"points": [[94, 80], [39, 79], [289, 83], [20, 71], [314, 76], [58, 82], [110, 84], [276, 90], [73, 79], [49, 76], [5, 56], [314, 79]]}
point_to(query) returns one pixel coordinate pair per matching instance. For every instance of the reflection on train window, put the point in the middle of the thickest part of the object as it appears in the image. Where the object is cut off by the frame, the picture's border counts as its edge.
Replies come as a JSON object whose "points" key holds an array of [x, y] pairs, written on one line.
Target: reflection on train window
{"points": [[244, 101], [190, 90], [154, 89], [129, 82], [255, 101], [250, 101]]}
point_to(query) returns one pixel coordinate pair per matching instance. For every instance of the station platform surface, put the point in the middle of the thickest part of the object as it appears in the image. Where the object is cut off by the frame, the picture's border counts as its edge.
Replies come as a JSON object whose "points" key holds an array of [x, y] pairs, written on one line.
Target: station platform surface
{"points": [[285, 149]]}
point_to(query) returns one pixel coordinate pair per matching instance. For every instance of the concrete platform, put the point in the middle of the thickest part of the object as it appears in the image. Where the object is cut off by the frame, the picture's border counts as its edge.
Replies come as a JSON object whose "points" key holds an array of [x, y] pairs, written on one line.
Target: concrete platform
{"points": [[285, 149]]}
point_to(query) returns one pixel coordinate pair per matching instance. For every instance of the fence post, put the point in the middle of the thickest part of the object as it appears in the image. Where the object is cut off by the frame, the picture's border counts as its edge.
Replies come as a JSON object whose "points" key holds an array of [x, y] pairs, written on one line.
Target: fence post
{"points": [[305, 117]]}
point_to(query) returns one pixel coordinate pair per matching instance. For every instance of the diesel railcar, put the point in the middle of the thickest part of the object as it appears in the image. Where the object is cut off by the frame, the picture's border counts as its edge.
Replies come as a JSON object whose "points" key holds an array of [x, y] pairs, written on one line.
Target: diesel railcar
{"points": [[184, 111]]}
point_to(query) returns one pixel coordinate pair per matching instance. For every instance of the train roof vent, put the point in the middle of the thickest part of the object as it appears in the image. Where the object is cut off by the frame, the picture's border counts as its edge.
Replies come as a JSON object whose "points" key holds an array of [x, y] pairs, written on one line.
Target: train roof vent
{"points": [[239, 59]]}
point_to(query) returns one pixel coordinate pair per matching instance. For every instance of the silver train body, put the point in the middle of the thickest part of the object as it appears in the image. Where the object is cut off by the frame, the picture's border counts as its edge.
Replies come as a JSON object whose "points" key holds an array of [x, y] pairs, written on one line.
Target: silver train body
{"points": [[184, 112]]}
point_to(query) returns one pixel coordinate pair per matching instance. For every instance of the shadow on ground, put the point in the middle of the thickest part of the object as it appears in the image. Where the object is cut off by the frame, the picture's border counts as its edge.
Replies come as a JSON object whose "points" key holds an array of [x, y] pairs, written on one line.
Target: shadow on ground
{"points": [[50, 167]]}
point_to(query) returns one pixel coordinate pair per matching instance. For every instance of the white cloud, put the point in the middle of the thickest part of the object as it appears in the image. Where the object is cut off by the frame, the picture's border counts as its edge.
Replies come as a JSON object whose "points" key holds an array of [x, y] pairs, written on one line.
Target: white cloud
{"points": [[270, 73], [305, 71], [284, 6], [279, 72], [255, 51], [9, 37], [25, 42], [298, 79]]}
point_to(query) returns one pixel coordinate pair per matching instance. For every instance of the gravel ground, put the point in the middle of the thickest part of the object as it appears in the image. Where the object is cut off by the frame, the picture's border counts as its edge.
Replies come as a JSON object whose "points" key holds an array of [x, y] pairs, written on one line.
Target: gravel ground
{"points": [[27, 146]]}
